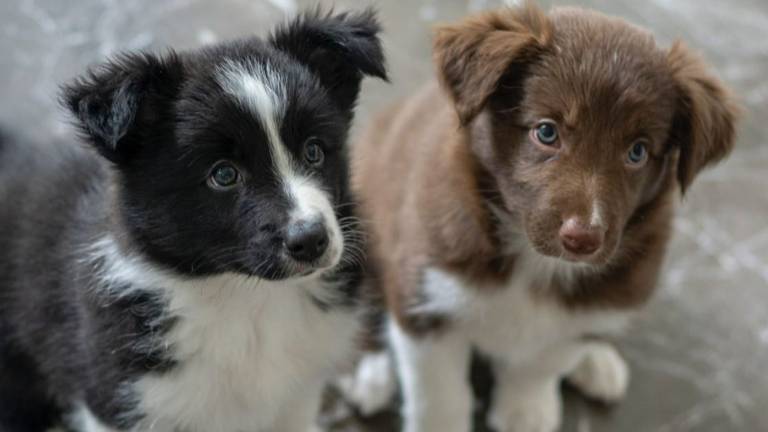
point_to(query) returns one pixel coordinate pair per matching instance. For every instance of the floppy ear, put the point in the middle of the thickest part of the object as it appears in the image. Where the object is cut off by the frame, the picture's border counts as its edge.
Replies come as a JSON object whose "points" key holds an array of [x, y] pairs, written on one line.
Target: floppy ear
{"points": [[704, 124], [110, 99], [472, 56], [340, 49]]}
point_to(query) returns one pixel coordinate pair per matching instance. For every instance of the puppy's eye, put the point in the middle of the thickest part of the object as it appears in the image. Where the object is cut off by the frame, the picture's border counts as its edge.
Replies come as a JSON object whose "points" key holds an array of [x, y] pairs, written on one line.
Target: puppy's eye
{"points": [[637, 154], [224, 175], [546, 133], [313, 151]]}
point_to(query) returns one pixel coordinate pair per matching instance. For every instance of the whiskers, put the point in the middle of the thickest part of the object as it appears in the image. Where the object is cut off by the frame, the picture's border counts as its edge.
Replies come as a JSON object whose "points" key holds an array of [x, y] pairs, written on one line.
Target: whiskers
{"points": [[344, 205], [355, 238]]}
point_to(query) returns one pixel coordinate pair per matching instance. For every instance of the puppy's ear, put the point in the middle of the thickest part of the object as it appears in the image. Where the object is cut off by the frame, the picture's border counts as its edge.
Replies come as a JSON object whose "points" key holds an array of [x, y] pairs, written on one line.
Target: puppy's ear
{"points": [[110, 99], [339, 48], [472, 56], [705, 117]]}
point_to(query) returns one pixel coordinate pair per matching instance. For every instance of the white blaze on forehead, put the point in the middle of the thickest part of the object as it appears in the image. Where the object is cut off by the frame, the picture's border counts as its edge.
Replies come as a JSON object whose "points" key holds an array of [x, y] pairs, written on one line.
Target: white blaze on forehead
{"points": [[260, 89]]}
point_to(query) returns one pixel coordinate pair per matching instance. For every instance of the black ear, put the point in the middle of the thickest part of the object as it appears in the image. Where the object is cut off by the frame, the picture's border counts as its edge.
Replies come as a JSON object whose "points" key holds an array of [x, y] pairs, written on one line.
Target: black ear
{"points": [[339, 48], [110, 99]]}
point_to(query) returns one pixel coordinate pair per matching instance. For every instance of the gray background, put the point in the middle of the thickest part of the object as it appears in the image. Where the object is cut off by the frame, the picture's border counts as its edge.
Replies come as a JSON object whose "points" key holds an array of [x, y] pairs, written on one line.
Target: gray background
{"points": [[699, 351]]}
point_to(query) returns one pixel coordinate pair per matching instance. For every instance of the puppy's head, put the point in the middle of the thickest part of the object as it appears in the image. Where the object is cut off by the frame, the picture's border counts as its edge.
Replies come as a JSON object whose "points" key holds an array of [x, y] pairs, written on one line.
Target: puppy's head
{"points": [[581, 120], [232, 158]]}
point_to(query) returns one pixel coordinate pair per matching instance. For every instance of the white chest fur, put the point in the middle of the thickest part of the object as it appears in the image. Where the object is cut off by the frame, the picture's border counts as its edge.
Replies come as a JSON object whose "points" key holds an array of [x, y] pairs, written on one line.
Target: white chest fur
{"points": [[512, 321], [250, 353], [246, 353], [531, 340]]}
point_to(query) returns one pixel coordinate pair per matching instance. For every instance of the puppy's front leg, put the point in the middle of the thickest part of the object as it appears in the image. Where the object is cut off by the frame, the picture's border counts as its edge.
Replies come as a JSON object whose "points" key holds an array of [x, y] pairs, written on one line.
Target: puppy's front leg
{"points": [[433, 375], [525, 400], [527, 396]]}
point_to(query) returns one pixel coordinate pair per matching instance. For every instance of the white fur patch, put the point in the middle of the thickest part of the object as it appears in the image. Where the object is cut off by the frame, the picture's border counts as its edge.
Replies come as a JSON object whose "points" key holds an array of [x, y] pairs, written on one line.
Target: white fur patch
{"points": [[596, 218], [373, 384], [83, 420], [259, 88], [511, 322], [533, 340], [253, 354]]}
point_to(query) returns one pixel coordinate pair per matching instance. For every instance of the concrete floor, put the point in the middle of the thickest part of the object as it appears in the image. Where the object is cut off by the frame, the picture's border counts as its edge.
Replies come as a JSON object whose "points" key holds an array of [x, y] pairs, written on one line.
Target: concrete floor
{"points": [[699, 351]]}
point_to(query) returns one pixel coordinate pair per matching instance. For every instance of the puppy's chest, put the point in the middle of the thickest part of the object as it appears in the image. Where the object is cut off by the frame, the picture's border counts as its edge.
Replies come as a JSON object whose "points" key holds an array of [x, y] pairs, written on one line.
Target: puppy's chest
{"points": [[513, 321], [243, 354]]}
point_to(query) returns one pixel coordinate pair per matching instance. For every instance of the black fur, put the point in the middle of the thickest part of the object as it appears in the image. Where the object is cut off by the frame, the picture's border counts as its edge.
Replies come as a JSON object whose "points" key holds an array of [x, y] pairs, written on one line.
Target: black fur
{"points": [[329, 43], [158, 123]]}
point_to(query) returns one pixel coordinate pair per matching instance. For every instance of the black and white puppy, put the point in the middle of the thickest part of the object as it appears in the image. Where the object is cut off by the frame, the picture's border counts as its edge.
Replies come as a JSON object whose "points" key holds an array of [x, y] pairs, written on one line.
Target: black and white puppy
{"points": [[197, 272]]}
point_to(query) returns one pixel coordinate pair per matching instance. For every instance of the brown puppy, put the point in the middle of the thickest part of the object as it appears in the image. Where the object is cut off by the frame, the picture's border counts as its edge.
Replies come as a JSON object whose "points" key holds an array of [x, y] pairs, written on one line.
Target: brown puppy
{"points": [[523, 207]]}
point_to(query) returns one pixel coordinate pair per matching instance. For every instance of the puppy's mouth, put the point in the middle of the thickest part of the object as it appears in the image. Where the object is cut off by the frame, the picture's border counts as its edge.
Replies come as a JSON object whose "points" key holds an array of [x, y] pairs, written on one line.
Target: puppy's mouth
{"points": [[303, 269], [595, 259], [283, 267]]}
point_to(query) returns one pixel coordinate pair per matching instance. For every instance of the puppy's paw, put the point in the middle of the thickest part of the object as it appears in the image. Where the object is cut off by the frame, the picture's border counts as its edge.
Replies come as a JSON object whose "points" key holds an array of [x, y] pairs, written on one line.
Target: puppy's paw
{"points": [[373, 384], [534, 410], [602, 374]]}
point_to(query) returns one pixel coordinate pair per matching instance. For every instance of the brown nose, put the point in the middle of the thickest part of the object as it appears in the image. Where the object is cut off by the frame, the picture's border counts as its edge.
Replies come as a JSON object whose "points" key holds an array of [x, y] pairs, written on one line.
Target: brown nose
{"points": [[579, 238]]}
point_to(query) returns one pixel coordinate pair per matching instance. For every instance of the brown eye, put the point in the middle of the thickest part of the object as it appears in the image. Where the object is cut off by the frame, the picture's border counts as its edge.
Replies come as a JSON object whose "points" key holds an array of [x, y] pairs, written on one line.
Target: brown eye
{"points": [[637, 154], [224, 175], [546, 133]]}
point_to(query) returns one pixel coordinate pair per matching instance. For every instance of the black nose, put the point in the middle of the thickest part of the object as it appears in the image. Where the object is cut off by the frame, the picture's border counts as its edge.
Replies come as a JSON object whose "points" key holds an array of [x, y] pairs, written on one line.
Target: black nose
{"points": [[306, 241]]}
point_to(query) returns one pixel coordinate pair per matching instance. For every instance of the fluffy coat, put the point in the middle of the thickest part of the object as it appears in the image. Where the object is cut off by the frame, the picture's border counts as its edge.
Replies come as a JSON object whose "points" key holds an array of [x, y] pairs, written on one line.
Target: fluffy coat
{"points": [[521, 208], [194, 266]]}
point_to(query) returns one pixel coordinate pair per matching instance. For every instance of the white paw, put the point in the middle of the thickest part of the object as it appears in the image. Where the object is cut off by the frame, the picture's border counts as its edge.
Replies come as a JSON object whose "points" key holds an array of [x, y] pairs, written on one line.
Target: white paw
{"points": [[534, 410], [373, 384], [602, 374]]}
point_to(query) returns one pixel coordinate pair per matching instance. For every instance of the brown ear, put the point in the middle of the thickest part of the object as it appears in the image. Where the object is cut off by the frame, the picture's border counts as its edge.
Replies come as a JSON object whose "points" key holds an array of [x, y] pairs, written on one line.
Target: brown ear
{"points": [[473, 55], [704, 125]]}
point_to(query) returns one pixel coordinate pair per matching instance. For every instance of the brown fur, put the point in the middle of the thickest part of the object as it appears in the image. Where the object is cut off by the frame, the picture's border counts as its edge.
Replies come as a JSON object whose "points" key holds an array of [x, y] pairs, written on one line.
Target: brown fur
{"points": [[429, 170]]}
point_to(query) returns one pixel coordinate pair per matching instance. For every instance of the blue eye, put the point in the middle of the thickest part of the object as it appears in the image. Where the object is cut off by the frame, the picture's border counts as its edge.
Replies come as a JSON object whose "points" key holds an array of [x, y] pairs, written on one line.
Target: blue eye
{"points": [[546, 133], [224, 175], [313, 151], [638, 153]]}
